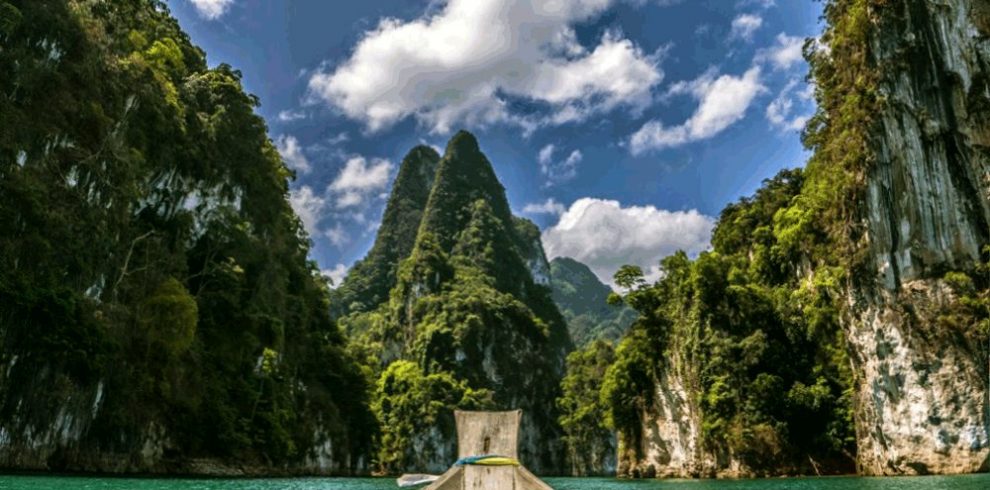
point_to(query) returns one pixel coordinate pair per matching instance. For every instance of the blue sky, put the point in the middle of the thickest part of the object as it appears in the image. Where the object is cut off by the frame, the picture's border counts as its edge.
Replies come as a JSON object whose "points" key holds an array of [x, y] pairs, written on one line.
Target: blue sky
{"points": [[621, 127]]}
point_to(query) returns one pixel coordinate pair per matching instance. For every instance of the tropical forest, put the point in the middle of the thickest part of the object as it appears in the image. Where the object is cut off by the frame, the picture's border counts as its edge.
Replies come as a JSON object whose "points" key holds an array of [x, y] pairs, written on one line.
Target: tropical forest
{"points": [[464, 243]]}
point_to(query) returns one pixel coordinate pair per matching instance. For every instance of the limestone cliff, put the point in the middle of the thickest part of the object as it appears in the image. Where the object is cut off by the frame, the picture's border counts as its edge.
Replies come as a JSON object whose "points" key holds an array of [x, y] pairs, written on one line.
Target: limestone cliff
{"points": [[468, 323], [158, 311], [670, 444], [921, 404], [58, 434], [885, 246]]}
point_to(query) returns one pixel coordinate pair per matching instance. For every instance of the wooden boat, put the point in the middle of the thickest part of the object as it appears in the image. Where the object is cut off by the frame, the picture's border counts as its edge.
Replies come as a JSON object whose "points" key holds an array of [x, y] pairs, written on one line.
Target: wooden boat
{"points": [[485, 433]]}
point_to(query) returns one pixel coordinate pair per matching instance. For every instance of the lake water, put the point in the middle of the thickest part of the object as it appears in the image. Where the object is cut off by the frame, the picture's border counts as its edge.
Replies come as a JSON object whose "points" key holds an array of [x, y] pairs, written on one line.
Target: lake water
{"points": [[965, 482]]}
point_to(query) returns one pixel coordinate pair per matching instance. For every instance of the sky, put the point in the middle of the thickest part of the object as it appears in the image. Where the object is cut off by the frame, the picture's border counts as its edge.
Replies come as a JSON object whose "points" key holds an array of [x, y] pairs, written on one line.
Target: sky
{"points": [[620, 127]]}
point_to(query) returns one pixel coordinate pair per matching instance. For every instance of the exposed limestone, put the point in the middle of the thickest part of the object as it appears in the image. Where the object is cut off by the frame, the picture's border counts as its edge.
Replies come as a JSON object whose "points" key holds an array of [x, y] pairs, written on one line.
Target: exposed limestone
{"points": [[922, 391], [671, 440]]}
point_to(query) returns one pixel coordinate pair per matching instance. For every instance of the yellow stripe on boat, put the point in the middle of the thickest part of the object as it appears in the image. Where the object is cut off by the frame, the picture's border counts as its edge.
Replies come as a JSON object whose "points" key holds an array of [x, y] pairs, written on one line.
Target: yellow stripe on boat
{"points": [[496, 461]]}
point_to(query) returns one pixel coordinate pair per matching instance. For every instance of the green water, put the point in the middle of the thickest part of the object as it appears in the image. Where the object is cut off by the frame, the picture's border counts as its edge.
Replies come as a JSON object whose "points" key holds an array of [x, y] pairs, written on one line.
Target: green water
{"points": [[966, 482]]}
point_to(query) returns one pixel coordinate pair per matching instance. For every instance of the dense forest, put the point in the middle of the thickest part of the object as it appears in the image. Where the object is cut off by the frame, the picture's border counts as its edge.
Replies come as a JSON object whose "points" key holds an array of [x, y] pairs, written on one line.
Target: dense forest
{"points": [[159, 311], [157, 301]]}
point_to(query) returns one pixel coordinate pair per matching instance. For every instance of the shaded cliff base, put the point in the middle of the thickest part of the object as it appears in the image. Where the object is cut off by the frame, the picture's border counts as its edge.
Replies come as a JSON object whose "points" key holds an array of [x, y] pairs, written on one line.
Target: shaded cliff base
{"points": [[129, 465]]}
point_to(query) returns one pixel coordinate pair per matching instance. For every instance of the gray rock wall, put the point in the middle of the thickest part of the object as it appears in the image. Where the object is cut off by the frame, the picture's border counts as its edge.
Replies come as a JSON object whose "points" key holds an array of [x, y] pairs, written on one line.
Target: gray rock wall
{"points": [[921, 404]]}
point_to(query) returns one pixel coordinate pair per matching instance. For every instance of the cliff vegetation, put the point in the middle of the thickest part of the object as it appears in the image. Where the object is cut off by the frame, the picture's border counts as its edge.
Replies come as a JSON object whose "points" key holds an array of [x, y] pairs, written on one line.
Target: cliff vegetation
{"points": [[158, 308]]}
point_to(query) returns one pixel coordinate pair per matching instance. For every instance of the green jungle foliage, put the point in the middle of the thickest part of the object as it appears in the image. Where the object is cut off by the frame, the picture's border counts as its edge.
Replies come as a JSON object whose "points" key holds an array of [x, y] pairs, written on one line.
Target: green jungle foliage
{"points": [[589, 443], [969, 314], [823, 225], [409, 402], [464, 310], [370, 280], [148, 247], [583, 300], [757, 343], [752, 326]]}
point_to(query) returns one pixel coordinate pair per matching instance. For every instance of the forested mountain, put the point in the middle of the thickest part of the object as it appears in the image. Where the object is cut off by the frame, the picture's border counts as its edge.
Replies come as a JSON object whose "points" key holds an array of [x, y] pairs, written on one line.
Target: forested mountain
{"points": [[583, 300], [157, 309], [841, 319], [370, 280], [468, 323]]}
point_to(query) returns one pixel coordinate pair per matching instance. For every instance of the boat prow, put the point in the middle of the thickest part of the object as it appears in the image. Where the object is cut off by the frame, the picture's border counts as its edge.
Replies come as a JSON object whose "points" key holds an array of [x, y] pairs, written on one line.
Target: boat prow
{"points": [[487, 433]]}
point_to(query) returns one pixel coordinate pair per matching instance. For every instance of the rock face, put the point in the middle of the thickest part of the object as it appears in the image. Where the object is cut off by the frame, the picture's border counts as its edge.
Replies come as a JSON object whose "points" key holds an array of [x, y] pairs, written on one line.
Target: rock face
{"points": [[921, 402], [670, 440], [671, 435], [59, 436]]}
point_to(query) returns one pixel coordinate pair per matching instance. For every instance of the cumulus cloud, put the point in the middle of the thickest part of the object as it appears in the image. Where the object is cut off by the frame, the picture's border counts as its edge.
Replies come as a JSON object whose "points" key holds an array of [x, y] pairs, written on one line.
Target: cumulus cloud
{"points": [[722, 101], [464, 62], [309, 206], [212, 9], [785, 53], [558, 171], [781, 109], [360, 179], [605, 235], [292, 153], [550, 206], [744, 26], [335, 275]]}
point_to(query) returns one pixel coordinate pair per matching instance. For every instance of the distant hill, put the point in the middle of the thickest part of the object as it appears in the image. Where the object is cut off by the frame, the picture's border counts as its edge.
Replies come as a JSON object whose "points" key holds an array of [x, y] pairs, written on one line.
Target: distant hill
{"points": [[581, 298]]}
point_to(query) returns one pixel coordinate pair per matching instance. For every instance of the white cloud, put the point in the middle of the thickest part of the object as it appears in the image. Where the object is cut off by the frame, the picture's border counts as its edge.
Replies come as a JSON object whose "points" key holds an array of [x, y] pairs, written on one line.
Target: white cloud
{"points": [[290, 115], [558, 171], [780, 110], [458, 65], [546, 154], [212, 9], [550, 206], [336, 275], [744, 26], [765, 4], [360, 179], [819, 47], [605, 235], [785, 53], [292, 153], [337, 235], [341, 137], [574, 158], [308, 206], [722, 101]]}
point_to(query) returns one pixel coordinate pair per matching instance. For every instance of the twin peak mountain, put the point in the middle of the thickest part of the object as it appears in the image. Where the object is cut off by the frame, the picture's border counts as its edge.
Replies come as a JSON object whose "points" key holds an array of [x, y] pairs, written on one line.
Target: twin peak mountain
{"points": [[456, 284]]}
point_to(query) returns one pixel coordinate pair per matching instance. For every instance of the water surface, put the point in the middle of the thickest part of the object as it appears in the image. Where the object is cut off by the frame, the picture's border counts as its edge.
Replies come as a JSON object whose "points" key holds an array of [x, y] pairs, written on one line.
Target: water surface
{"points": [[964, 482]]}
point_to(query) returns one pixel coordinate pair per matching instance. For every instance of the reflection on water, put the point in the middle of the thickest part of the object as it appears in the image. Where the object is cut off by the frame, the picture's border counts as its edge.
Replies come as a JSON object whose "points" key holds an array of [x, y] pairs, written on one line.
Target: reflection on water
{"points": [[964, 482]]}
